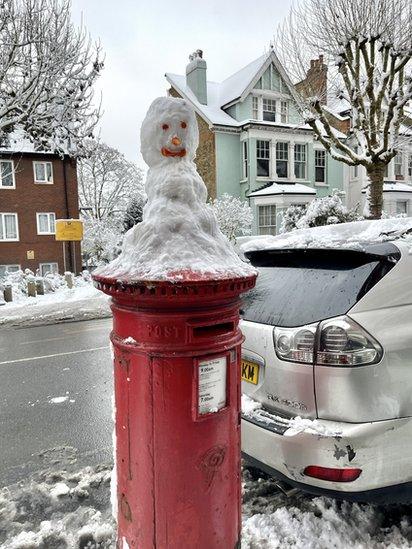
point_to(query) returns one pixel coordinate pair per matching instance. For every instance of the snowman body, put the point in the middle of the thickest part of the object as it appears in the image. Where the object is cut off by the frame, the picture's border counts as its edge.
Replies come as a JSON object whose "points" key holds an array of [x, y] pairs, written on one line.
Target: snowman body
{"points": [[179, 231]]}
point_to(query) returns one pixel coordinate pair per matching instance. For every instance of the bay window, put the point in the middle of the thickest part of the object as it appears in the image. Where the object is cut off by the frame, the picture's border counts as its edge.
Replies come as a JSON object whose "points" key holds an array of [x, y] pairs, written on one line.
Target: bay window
{"points": [[267, 219], [398, 164], [300, 161], [320, 166], [263, 158], [282, 159]]}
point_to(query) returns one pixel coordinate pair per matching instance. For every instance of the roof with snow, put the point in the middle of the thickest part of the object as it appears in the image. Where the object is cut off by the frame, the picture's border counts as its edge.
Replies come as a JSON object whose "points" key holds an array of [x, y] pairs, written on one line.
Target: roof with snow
{"points": [[395, 186], [18, 141], [235, 88], [274, 188]]}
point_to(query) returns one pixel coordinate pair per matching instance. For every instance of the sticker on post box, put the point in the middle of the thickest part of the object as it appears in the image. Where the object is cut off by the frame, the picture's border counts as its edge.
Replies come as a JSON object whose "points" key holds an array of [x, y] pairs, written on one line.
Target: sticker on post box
{"points": [[212, 385]]}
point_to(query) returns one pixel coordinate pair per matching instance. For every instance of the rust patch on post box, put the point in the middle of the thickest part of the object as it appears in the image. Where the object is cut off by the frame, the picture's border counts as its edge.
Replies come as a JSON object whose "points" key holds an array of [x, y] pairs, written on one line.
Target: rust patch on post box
{"points": [[125, 508]]}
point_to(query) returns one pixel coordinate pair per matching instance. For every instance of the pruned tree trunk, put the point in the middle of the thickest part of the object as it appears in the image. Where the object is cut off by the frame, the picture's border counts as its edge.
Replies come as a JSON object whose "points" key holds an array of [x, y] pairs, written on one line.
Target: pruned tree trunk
{"points": [[376, 173]]}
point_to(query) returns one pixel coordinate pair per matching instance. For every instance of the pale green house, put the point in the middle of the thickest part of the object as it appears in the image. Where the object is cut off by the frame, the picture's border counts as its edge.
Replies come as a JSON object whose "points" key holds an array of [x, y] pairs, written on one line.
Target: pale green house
{"points": [[253, 142]]}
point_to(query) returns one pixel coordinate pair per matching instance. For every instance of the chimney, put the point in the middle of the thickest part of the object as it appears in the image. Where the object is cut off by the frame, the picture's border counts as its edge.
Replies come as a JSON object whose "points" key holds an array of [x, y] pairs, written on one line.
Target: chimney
{"points": [[316, 81], [196, 76]]}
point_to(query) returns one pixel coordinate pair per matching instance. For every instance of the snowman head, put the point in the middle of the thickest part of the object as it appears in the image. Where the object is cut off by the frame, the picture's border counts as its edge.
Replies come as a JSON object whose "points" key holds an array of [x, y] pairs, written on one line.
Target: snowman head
{"points": [[169, 131]]}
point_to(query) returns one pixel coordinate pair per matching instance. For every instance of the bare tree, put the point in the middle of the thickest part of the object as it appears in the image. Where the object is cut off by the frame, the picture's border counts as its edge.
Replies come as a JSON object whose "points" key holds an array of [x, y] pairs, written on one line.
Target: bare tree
{"points": [[47, 72], [107, 181], [367, 46]]}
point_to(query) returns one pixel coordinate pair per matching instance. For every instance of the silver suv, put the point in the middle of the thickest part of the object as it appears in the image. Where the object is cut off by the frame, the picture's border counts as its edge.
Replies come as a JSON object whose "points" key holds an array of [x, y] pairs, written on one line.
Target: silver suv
{"points": [[327, 361]]}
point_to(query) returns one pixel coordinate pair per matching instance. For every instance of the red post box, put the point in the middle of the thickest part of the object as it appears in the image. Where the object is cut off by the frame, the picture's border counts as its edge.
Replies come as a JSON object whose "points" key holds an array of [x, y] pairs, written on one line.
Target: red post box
{"points": [[177, 394]]}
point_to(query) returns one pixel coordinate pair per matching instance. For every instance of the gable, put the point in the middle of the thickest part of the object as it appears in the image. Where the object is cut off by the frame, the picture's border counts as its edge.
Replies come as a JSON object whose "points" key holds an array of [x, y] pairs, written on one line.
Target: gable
{"points": [[272, 80]]}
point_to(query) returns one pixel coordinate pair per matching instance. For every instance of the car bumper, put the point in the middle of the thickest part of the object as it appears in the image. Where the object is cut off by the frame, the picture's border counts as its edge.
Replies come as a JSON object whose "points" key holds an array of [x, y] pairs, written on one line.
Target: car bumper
{"points": [[382, 450]]}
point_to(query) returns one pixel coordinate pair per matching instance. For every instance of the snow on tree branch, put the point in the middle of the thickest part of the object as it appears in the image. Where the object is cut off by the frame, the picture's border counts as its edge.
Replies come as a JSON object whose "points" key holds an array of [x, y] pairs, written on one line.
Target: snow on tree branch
{"points": [[107, 181], [48, 69], [366, 49]]}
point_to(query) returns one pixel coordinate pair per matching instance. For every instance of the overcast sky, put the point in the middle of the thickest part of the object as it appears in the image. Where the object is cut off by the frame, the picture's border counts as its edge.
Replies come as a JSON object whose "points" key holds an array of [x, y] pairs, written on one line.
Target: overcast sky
{"points": [[144, 39]]}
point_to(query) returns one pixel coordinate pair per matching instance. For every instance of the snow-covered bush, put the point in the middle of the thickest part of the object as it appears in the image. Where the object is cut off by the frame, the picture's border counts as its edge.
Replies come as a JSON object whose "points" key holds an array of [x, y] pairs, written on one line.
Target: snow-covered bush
{"points": [[134, 212], [233, 215], [329, 210], [102, 240]]}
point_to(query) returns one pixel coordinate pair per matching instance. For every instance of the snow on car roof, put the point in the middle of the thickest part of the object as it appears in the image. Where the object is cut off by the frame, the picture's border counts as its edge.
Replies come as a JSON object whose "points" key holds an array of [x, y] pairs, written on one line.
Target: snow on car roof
{"points": [[355, 235]]}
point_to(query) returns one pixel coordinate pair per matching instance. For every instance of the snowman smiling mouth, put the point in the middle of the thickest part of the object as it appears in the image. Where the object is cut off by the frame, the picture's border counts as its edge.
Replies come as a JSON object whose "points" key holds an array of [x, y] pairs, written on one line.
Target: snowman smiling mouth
{"points": [[178, 152], [168, 152]]}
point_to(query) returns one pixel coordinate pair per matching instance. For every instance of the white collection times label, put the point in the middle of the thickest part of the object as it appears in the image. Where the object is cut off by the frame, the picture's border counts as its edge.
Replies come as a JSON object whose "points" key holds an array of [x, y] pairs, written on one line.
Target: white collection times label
{"points": [[212, 385]]}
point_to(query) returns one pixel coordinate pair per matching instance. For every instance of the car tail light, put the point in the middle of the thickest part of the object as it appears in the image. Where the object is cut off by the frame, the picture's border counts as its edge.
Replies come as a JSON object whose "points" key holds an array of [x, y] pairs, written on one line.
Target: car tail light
{"points": [[333, 475], [296, 344], [343, 342], [339, 341]]}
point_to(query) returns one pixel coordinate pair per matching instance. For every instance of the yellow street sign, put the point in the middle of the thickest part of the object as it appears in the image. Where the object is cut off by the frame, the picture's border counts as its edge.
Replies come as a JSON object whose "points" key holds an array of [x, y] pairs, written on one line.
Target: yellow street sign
{"points": [[69, 229]]}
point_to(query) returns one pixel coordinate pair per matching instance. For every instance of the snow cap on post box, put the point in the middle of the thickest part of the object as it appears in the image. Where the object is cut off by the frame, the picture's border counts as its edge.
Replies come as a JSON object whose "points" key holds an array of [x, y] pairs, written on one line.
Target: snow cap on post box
{"points": [[179, 236]]}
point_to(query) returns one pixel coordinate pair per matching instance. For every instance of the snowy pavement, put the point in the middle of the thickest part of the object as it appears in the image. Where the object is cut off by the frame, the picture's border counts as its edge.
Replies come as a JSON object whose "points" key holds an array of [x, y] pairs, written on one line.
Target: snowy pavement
{"points": [[69, 508], [80, 303]]}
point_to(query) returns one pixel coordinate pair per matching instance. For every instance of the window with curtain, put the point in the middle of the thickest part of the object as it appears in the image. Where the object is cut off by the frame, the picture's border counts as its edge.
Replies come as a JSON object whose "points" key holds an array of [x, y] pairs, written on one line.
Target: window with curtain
{"points": [[43, 172], [8, 226], [46, 223], [398, 164]]}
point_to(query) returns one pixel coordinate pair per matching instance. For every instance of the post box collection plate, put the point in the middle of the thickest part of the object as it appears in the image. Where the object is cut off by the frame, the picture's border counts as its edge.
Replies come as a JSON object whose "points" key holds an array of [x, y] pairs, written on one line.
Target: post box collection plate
{"points": [[212, 385]]}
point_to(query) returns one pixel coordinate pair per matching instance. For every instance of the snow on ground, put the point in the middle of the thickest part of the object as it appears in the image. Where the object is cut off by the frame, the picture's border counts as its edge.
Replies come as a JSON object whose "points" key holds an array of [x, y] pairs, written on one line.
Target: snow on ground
{"points": [[82, 302], [71, 510]]}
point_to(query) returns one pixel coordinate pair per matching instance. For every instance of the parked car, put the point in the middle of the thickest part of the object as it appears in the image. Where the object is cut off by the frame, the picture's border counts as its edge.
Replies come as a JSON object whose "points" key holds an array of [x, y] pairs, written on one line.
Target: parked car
{"points": [[327, 360]]}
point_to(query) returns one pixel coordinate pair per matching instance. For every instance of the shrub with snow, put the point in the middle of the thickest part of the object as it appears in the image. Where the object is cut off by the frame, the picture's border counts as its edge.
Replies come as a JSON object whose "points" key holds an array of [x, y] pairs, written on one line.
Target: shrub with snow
{"points": [[102, 240], [329, 210], [233, 215]]}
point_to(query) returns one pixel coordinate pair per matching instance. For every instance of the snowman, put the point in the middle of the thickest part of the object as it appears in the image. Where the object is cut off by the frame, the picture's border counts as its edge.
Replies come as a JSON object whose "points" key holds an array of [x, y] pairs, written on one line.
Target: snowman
{"points": [[179, 231]]}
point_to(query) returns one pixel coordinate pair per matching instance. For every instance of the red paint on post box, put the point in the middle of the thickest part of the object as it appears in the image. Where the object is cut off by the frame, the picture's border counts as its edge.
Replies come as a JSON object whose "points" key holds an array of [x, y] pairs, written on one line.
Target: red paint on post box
{"points": [[177, 394]]}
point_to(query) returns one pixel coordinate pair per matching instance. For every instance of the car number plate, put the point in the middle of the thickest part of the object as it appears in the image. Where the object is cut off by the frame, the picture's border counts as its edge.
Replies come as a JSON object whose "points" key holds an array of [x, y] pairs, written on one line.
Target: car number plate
{"points": [[250, 371]]}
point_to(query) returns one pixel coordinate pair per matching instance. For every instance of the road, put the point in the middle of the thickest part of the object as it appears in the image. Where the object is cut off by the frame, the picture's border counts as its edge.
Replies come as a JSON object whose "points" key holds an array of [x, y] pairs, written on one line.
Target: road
{"points": [[55, 397]]}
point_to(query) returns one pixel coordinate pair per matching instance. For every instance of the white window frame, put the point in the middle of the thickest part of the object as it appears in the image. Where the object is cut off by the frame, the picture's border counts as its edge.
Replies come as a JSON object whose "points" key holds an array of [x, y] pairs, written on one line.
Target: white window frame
{"points": [[284, 112], [255, 107], [3, 225], [2, 161], [45, 163], [6, 268], [245, 159], [266, 213], [269, 106], [405, 202], [398, 163], [44, 272], [410, 166], [263, 151], [322, 166], [286, 159], [304, 162], [50, 216]]}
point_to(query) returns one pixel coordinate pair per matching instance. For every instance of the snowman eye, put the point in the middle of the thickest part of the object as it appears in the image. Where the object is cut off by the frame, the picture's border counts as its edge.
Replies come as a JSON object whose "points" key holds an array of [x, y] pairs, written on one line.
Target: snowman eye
{"points": [[165, 126], [183, 124]]}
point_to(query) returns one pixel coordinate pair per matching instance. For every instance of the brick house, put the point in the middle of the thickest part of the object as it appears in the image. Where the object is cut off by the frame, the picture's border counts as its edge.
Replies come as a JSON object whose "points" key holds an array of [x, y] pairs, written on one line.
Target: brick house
{"points": [[36, 188]]}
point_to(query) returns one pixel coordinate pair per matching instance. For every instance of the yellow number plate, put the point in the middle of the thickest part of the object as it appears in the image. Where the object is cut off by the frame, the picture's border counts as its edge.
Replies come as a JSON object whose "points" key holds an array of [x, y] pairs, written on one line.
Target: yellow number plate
{"points": [[250, 371]]}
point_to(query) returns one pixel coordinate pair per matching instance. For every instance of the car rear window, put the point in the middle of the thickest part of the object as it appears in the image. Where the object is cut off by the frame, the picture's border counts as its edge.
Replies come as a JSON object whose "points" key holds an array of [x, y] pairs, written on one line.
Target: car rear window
{"points": [[297, 287]]}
